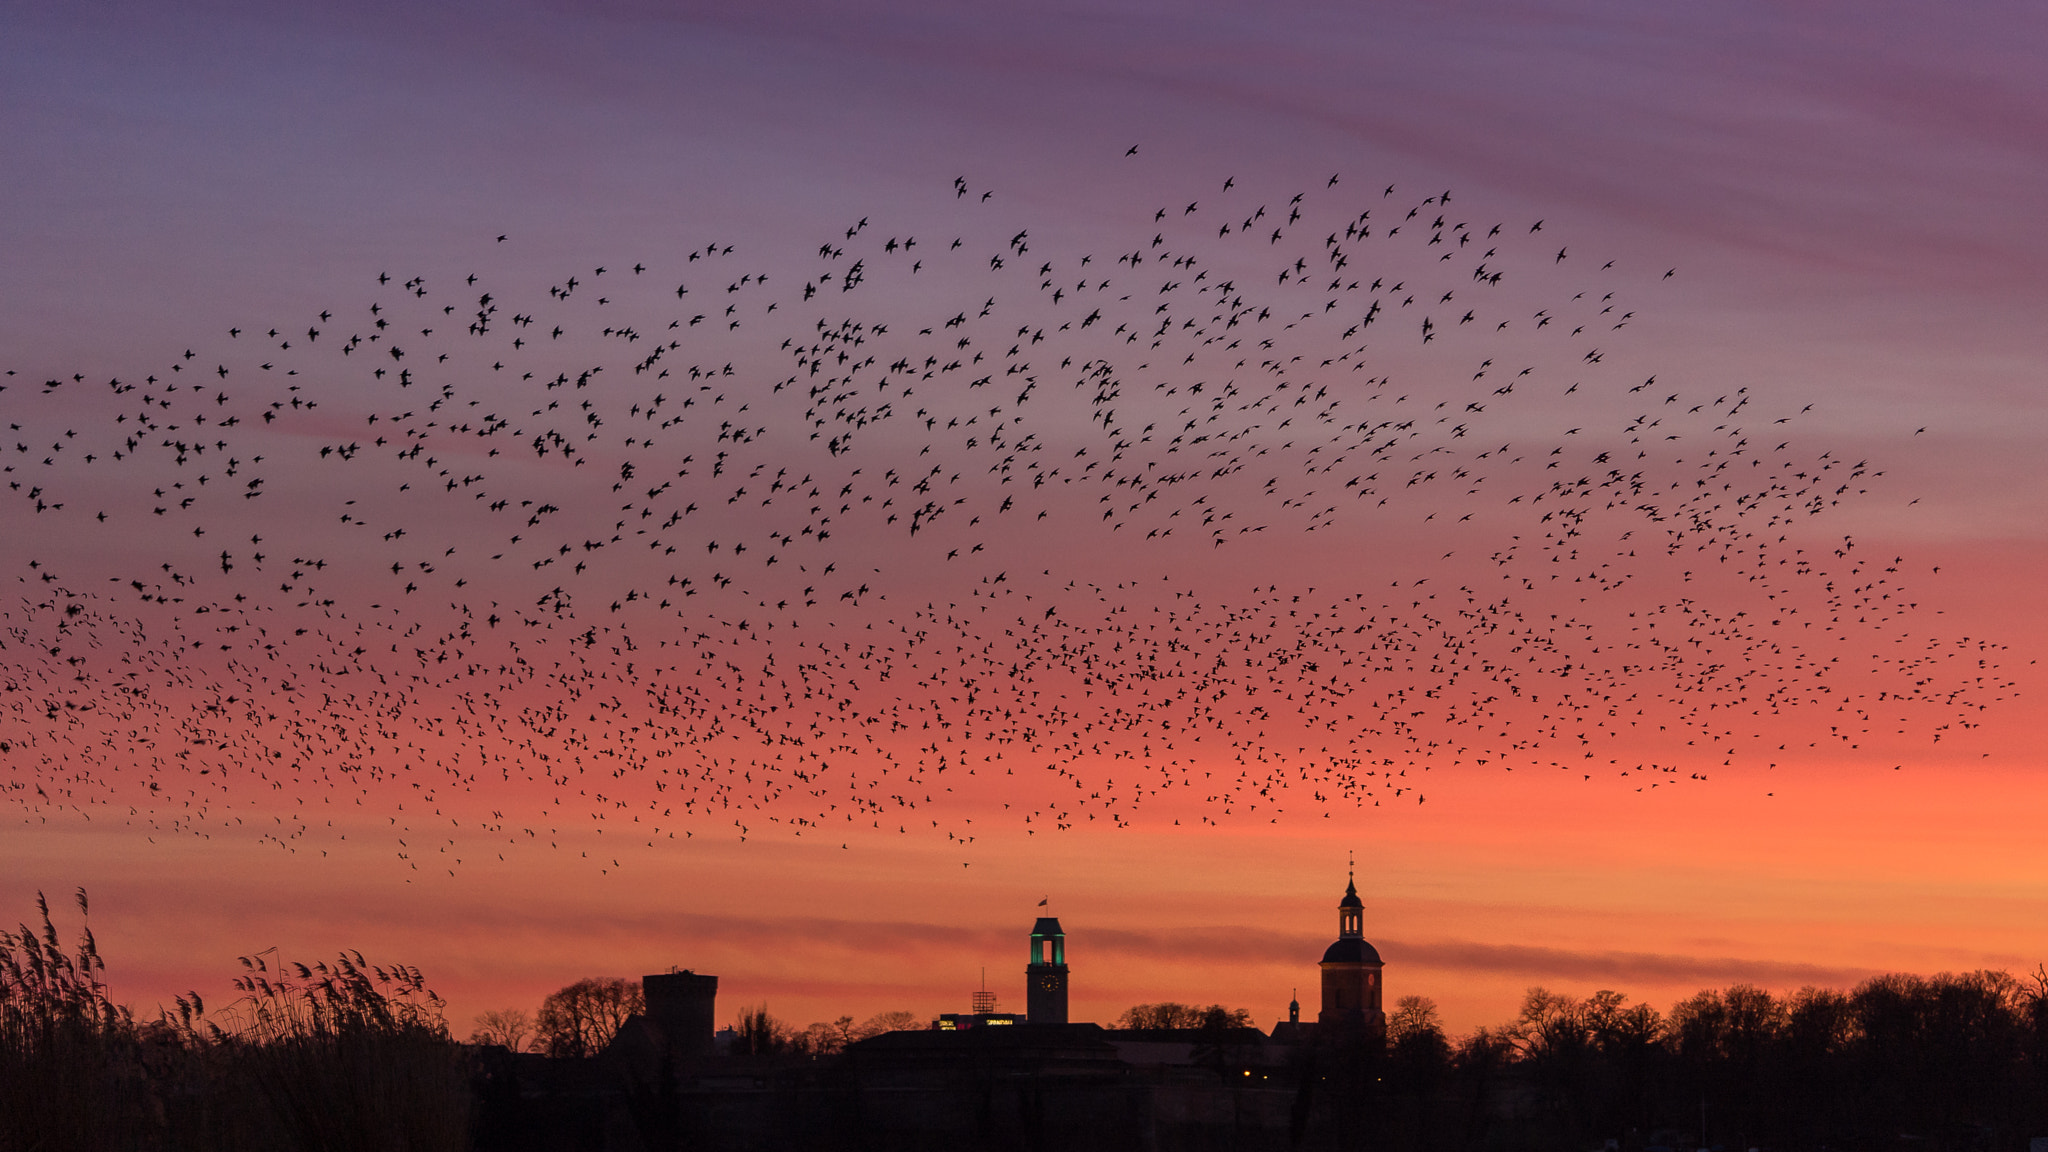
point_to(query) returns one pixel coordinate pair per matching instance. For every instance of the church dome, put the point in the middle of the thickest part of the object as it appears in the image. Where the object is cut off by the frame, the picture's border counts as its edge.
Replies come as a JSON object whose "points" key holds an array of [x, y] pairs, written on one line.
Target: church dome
{"points": [[1351, 899], [1351, 950]]}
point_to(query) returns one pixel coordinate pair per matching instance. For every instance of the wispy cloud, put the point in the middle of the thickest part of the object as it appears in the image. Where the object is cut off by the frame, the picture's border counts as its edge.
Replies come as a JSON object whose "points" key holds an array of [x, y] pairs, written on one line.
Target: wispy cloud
{"points": [[1621, 967], [1247, 945], [1241, 945]]}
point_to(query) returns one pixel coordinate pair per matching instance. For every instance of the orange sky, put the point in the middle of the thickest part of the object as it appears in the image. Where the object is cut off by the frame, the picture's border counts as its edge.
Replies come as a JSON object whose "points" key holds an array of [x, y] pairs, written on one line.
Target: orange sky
{"points": [[1492, 885]]}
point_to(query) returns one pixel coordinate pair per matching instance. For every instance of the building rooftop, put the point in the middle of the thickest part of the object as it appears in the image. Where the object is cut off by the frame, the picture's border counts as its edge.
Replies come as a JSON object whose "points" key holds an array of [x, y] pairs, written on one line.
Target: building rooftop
{"points": [[1351, 950]]}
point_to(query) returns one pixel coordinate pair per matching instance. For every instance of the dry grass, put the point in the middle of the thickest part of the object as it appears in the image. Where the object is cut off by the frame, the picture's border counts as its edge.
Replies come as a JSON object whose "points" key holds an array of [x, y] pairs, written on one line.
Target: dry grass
{"points": [[345, 1055]]}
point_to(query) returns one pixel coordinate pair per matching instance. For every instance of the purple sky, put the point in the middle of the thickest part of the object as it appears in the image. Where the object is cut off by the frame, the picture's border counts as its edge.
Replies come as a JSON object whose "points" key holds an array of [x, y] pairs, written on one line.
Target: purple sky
{"points": [[1857, 188]]}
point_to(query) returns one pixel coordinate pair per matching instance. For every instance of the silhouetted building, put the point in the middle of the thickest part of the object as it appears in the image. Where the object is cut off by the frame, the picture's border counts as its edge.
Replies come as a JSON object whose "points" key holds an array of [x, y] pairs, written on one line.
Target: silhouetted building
{"points": [[684, 1006], [981, 1081], [1045, 978], [984, 1013], [1351, 969], [990, 1088], [962, 1021]]}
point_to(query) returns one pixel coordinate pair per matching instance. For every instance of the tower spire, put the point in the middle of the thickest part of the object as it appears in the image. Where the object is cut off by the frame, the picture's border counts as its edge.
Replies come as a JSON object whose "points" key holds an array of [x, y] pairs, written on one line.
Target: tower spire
{"points": [[1351, 910], [1351, 966]]}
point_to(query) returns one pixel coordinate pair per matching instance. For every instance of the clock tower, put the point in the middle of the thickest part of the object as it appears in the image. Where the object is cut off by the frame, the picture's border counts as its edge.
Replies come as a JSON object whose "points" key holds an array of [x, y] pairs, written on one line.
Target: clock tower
{"points": [[1045, 978]]}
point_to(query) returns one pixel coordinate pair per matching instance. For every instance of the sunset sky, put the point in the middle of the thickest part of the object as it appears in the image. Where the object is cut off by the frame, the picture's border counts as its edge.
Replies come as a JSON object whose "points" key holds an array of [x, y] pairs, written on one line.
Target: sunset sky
{"points": [[1849, 199]]}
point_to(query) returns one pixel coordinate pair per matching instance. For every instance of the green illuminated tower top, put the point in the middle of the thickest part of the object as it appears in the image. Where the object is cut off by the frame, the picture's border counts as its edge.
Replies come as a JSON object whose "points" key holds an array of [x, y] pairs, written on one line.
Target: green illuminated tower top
{"points": [[1045, 978]]}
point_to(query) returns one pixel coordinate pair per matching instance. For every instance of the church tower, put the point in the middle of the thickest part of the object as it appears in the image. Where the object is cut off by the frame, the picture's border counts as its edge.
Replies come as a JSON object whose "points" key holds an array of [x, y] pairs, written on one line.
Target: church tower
{"points": [[1045, 978], [1351, 969]]}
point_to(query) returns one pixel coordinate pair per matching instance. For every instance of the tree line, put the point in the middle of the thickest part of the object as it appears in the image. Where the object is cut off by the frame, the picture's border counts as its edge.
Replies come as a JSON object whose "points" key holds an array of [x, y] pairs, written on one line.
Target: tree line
{"points": [[1951, 1061], [580, 1019]]}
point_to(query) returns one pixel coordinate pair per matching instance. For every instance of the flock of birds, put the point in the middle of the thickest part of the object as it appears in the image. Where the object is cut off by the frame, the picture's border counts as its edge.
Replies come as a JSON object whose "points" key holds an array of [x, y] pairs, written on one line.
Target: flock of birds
{"points": [[1266, 512]]}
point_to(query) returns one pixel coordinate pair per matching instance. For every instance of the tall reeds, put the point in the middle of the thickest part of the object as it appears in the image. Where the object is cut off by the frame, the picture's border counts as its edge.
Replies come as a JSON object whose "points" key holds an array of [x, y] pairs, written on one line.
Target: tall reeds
{"points": [[344, 1056], [68, 1054]]}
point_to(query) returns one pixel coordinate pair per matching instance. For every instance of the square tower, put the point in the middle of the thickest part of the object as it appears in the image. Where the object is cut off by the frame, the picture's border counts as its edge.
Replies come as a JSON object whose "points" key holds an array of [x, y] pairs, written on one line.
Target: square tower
{"points": [[683, 1004], [1045, 978]]}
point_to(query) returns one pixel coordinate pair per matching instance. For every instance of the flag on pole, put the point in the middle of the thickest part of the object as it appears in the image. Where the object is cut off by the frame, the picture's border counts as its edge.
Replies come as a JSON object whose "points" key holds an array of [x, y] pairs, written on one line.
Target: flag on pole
{"points": [[1041, 903]]}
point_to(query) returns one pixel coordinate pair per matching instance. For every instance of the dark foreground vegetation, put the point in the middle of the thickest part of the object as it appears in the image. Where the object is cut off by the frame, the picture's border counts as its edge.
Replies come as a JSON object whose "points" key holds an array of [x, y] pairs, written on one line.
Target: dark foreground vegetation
{"points": [[1952, 1062], [349, 1056], [343, 1055]]}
